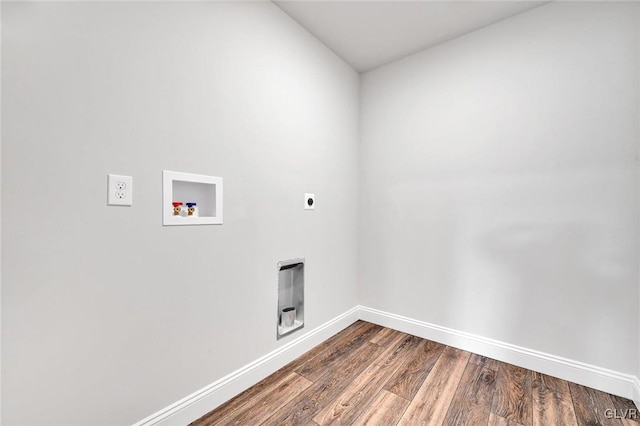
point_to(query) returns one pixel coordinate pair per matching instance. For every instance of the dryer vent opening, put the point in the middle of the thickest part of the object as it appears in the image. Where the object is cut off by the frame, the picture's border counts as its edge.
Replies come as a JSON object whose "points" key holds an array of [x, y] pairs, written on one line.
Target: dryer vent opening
{"points": [[290, 296]]}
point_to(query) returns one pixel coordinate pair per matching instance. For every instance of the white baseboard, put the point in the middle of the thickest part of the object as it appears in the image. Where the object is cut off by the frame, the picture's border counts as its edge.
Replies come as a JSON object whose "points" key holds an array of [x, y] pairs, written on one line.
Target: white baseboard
{"points": [[206, 399], [599, 378]]}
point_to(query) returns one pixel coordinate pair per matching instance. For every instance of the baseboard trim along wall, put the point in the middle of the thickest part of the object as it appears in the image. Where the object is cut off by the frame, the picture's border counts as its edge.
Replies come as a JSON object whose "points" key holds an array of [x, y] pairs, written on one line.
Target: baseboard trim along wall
{"points": [[584, 374], [206, 399]]}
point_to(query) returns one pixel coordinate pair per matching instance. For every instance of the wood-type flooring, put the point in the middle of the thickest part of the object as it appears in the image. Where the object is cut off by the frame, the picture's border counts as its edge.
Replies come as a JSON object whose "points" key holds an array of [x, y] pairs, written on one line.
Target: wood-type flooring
{"points": [[371, 375]]}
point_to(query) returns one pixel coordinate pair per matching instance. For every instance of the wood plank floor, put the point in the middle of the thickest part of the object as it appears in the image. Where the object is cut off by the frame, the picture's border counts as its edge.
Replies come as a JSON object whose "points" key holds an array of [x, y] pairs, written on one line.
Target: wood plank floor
{"points": [[371, 375]]}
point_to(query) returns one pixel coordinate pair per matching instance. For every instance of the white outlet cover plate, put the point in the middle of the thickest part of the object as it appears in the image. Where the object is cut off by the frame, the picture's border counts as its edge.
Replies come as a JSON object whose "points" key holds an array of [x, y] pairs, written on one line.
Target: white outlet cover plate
{"points": [[119, 190], [308, 197]]}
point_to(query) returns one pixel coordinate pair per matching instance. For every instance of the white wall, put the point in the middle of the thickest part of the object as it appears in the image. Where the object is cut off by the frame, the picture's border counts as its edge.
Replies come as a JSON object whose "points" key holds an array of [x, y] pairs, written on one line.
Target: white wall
{"points": [[637, 399], [499, 183], [107, 316], [499, 179], [1, 369]]}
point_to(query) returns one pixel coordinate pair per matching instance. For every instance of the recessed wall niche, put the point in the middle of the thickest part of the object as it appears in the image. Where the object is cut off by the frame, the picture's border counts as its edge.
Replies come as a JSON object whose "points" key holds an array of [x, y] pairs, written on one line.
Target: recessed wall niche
{"points": [[191, 199], [290, 296]]}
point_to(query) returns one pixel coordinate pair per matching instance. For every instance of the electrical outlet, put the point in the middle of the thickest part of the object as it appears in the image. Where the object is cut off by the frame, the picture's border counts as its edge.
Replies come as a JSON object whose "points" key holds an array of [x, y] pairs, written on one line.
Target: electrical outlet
{"points": [[119, 190], [309, 201]]}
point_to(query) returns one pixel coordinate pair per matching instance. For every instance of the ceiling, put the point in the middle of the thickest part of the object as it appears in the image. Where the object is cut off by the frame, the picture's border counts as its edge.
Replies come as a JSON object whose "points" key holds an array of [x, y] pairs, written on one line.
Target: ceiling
{"points": [[368, 34]]}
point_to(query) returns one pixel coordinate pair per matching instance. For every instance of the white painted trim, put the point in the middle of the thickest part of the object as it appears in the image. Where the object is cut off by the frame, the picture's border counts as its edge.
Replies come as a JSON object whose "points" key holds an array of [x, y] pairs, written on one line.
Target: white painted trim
{"points": [[599, 378], [206, 399]]}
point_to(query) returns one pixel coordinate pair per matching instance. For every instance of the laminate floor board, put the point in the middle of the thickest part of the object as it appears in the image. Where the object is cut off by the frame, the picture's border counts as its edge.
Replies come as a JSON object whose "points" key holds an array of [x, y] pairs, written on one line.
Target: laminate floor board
{"points": [[484, 361], [590, 406], [432, 400], [552, 401], [623, 404], [356, 397], [406, 381], [385, 409], [471, 404], [334, 356], [371, 375], [513, 398], [326, 388]]}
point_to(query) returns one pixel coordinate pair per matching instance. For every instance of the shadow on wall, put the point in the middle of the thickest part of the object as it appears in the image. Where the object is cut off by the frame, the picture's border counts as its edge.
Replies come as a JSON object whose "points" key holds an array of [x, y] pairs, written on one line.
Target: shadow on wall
{"points": [[408, 256], [548, 263], [554, 271], [544, 259]]}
